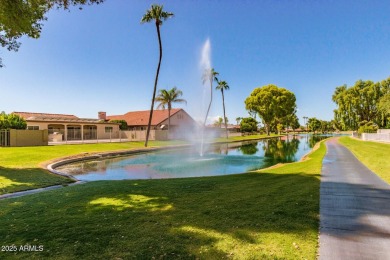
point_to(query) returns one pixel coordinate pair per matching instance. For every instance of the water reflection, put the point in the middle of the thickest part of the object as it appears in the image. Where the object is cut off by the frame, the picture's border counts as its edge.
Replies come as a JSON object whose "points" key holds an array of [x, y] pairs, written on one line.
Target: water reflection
{"points": [[281, 151], [249, 149], [218, 160]]}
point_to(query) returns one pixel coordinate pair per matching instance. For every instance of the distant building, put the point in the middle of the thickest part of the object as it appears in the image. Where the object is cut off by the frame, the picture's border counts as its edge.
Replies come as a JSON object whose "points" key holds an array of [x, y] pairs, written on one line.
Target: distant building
{"points": [[62, 127], [181, 122]]}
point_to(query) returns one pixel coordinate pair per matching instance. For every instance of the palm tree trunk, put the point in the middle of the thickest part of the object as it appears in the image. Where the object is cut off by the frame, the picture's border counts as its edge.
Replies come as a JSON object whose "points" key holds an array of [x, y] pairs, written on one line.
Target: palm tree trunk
{"points": [[169, 120], [155, 85], [224, 115]]}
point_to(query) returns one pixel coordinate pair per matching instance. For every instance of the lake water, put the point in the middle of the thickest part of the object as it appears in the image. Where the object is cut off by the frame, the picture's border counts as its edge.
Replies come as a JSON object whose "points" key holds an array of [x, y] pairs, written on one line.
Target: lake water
{"points": [[219, 159]]}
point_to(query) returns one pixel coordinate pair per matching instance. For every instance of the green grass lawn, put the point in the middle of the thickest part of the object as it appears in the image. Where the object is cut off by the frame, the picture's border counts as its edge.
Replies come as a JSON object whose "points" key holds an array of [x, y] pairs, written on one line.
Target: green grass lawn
{"points": [[270, 214], [372, 154]]}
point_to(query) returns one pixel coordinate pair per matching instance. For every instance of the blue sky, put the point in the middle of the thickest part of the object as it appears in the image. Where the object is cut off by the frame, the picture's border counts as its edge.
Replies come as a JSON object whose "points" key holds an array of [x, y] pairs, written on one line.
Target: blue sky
{"points": [[103, 59]]}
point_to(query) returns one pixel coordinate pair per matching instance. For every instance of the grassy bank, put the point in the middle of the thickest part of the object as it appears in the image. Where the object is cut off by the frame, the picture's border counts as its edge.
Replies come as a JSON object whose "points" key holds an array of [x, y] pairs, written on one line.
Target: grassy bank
{"points": [[272, 214], [374, 155]]}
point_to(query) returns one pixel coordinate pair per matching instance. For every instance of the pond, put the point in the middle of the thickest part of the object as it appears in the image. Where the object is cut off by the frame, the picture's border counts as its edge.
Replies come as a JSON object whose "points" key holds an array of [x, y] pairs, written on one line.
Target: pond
{"points": [[220, 159]]}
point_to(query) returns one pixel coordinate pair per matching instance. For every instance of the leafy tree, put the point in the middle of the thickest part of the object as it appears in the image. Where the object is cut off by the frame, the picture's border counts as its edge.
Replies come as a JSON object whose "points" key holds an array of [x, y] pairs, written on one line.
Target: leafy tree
{"points": [[272, 104], [360, 103], [279, 127], [248, 124], [294, 123], [384, 108], [209, 75], [291, 121], [314, 124], [123, 124], [25, 18], [12, 121], [222, 85], [166, 98], [238, 120], [156, 14], [335, 125]]}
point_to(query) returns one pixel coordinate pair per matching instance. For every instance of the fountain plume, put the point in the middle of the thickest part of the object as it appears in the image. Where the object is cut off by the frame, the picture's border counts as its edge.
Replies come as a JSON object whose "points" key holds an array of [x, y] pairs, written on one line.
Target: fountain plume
{"points": [[205, 63]]}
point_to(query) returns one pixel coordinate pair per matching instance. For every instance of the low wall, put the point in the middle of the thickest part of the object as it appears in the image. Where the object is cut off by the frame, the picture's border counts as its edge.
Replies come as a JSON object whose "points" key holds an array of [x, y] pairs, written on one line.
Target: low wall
{"points": [[383, 131], [376, 137], [28, 137], [231, 134], [140, 135]]}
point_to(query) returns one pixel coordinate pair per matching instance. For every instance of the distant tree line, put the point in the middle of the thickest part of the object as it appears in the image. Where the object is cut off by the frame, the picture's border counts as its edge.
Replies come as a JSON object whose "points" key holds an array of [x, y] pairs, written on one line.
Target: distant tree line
{"points": [[365, 105], [321, 126]]}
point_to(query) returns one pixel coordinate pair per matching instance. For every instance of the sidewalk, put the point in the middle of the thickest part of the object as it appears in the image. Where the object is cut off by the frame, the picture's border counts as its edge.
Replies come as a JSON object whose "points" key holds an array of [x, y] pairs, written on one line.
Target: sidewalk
{"points": [[354, 208]]}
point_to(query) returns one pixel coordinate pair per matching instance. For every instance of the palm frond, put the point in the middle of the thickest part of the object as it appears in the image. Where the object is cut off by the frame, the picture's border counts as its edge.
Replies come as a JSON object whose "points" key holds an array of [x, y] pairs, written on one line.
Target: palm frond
{"points": [[222, 85], [157, 14], [167, 97]]}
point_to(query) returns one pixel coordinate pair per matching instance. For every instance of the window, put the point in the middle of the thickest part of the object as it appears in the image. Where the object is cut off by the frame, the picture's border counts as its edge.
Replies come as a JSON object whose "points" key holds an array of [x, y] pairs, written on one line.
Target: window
{"points": [[32, 127], [108, 129]]}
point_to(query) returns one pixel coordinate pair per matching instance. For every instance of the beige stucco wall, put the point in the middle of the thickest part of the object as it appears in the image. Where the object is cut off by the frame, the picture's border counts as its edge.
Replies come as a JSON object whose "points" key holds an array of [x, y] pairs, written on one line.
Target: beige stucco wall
{"points": [[182, 125], [100, 128], [180, 119], [139, 135], [28, 137], [103, 135]]}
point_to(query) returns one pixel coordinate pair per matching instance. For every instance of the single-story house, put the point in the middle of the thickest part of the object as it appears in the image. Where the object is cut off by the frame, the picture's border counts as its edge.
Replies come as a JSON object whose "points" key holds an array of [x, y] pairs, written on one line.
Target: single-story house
{"points": [[181, 122], [62, 127]]}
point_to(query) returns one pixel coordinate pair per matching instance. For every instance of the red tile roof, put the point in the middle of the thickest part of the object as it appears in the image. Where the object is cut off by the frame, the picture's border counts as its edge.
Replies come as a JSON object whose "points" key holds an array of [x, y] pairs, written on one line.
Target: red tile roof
{"points": [[29, 115], [141, 118]]}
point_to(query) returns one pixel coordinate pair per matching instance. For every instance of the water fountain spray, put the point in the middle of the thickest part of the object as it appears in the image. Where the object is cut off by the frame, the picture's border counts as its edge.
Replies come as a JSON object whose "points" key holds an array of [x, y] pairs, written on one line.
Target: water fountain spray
{"points": [[208, 76]]}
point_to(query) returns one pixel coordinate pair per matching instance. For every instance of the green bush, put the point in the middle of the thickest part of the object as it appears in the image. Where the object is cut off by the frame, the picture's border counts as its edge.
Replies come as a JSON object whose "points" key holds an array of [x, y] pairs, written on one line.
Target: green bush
{"points": [[248, 124], [12, 121], [123, 124], [367, 127]]}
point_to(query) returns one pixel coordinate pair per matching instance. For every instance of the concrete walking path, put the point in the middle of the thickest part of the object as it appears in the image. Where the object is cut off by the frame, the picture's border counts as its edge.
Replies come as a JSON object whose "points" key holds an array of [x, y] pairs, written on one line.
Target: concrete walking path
{"points": [[28, 192], [354, 208]]}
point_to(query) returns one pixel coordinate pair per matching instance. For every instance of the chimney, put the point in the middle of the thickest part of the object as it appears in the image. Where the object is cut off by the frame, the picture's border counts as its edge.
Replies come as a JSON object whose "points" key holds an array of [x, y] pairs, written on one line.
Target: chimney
{"points": [[102, 116]]}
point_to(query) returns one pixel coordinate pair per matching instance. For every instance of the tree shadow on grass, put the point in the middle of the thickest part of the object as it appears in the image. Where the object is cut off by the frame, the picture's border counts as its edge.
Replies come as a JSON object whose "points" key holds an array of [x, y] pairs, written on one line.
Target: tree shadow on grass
{"points": [[257, 215], [13, 180]]}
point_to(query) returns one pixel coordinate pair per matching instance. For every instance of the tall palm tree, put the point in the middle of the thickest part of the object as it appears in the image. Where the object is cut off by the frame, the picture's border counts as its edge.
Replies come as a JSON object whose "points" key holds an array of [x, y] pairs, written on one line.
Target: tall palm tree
{"points": [[222, 85], [209, 75], [155, 13], [166, 98]]}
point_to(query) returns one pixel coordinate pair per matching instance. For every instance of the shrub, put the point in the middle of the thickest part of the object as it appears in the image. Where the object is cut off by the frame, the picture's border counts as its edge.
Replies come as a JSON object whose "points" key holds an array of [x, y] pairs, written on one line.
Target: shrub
{"points": [[12, 121], [248, 124], [123, 124], [367, 127]]}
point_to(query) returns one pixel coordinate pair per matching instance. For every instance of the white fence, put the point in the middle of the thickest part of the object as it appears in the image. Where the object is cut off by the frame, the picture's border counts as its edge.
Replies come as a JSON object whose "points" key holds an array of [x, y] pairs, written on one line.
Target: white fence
{"points": [[376, 137]]}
